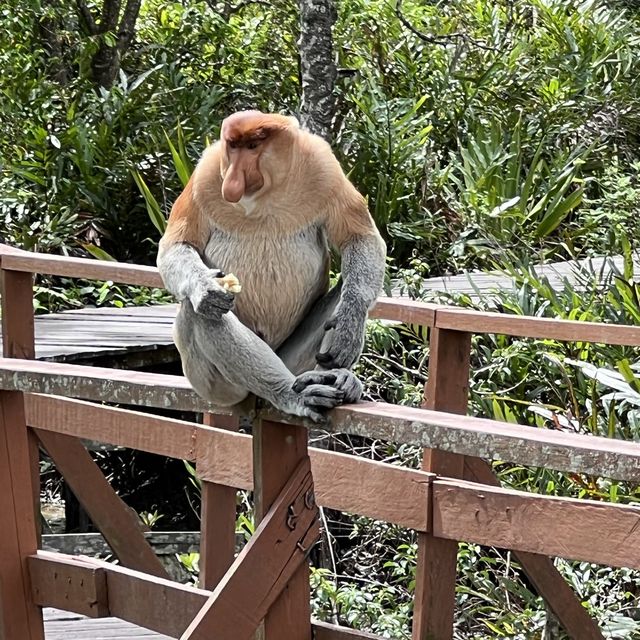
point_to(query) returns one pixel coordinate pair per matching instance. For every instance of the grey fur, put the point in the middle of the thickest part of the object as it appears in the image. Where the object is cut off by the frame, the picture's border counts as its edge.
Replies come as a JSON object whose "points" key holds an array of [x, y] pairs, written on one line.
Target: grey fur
{"points": [[363, 262]]}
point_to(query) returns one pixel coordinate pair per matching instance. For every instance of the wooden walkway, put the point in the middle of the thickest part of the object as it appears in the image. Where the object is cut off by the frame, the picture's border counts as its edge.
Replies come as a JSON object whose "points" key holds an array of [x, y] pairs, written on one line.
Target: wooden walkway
{"points": [[62, 625], [135, 336], [479, 284]]}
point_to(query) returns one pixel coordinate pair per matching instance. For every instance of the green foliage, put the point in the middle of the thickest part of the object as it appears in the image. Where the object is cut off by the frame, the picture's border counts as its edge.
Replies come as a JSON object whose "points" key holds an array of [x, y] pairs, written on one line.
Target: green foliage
{"points": [[484, 135]]}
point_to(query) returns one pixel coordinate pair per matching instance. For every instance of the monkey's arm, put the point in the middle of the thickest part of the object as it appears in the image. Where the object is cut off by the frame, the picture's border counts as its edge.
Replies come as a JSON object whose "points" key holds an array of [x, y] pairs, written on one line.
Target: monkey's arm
{"points": [[179, 261], [352, 230]]}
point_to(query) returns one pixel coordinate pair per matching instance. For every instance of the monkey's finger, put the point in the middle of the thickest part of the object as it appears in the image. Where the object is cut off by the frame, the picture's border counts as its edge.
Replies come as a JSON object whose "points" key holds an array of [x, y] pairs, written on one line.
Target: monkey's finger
{"points": [[326, 390], [330, 324], [314, 377], [315, 416], [326, 360]]}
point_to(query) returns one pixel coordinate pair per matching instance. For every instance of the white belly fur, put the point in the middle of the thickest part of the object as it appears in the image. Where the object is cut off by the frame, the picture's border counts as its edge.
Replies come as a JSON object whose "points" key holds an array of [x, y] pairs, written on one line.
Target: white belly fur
{"points": [[280, 277]]}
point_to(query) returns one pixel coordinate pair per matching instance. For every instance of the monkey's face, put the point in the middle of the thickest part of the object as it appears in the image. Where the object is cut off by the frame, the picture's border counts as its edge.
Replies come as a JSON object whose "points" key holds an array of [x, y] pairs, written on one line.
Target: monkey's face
{"points": [[252, 153]]}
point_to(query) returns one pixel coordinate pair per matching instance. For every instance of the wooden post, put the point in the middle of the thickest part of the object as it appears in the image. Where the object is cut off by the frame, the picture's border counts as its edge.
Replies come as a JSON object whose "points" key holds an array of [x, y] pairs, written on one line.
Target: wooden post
{"points": [[20, 618], [278, 449], [447, 390], [18, 341], [217, 519]]}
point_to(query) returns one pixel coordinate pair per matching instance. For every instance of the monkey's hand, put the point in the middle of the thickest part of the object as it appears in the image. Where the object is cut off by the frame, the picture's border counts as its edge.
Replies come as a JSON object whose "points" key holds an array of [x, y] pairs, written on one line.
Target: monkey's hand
{"points": [[343, 340], [342, 379], [209, 298]]}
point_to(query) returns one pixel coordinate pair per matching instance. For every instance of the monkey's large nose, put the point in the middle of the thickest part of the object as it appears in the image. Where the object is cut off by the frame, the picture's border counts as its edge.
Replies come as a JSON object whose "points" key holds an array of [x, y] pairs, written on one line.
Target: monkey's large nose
{"points": [[233, 185]]}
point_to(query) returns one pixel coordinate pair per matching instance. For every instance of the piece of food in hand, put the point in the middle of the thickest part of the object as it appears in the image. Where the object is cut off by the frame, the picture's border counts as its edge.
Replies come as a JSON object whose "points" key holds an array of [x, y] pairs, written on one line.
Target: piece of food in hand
{"points": [[230, 283]]}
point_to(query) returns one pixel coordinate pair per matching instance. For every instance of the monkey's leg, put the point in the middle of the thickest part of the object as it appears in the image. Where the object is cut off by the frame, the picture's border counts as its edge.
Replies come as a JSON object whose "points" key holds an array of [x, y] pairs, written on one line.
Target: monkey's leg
{"points": [[299, 350], [224, 361]]}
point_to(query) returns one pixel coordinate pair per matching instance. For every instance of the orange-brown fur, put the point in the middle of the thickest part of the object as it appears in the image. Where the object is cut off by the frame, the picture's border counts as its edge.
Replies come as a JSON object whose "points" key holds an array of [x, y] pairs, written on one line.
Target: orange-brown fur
{"points": [[263, 239]]}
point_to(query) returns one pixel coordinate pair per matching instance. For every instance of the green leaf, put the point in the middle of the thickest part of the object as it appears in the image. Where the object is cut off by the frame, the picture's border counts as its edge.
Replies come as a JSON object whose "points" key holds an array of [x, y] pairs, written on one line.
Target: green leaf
{"points": [[180, 162], [98, 253], [153, 208]]}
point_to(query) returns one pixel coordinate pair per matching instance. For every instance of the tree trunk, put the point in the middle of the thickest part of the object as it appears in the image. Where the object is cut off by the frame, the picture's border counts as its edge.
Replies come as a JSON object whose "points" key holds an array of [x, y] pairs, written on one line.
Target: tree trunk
{"points": [[105, 64], [317, 65]]}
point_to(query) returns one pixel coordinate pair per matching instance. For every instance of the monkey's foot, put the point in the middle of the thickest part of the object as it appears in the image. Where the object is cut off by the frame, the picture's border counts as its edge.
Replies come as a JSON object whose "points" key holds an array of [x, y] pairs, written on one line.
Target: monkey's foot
{"points": [[342, 379], [312, 400]]}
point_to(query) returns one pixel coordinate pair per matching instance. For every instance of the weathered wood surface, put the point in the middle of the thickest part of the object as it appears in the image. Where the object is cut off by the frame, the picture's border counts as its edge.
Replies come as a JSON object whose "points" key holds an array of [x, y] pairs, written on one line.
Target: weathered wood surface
{"points": [[86, 334], [430, 429], [476, 284], [65, 625], [102, 384], [153, 603], [587, 530]]}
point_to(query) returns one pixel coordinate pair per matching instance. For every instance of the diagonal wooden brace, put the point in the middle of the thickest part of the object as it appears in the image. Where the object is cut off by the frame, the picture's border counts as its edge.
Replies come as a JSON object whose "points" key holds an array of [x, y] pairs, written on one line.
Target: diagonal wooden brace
{"points": [[261, 571]]}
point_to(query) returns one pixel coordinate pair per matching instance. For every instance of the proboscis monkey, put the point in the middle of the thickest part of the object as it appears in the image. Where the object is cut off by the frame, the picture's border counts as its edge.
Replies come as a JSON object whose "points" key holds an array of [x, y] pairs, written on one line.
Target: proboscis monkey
{"points": [[264, 203]]}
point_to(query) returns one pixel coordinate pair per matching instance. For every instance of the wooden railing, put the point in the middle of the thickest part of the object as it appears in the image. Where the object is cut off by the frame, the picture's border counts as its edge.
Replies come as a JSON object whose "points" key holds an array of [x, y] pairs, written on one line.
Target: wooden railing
{"points": [[454, 497]]}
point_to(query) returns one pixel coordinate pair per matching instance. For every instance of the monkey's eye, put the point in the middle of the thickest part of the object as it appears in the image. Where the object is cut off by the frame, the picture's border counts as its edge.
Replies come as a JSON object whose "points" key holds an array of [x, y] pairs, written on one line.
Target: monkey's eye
{"points": [[232, 144], [253, 145]]}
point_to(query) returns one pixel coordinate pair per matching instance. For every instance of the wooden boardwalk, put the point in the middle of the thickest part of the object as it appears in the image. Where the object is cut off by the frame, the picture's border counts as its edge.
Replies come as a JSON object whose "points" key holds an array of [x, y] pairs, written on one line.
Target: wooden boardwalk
{"points": [[477, 284], [134, 336], [62, 625]]}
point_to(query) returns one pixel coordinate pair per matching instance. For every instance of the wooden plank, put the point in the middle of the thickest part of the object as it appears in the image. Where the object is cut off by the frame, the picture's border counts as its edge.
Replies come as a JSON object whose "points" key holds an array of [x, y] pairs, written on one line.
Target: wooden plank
{"points": [[263, 569], [585, 530], [61, 625], [343, 482], [112, 425], [447, 390], [532, 327], [20, 617], [217, 515], [405, 311], [487, 439], [120, 272], [115, 520], [85, 586], [168, 606], [278, 450], [547, 580]]}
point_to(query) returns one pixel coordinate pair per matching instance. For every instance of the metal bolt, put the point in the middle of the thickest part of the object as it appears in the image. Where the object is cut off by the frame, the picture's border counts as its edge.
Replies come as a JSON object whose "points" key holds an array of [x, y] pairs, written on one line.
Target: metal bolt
{"points": [[310, 499]]}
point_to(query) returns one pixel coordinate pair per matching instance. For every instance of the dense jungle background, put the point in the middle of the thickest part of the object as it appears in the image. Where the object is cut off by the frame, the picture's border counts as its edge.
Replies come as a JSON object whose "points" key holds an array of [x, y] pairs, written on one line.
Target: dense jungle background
{"points": [[486, 135]]}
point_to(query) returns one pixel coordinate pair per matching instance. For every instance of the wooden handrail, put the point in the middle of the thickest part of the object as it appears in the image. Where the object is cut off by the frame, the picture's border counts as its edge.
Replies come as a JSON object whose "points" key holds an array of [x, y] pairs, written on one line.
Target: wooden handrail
{"points": [[17, 260], [395, 309], [431, 429]]}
